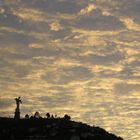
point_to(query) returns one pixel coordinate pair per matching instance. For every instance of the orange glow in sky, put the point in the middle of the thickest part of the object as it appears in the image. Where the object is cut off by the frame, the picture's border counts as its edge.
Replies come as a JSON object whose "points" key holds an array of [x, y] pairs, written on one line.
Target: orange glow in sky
{"points": [[80, 57]]}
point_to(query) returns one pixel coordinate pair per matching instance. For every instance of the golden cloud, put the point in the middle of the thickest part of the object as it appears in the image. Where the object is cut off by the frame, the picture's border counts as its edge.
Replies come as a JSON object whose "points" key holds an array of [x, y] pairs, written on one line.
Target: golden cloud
{"points": [[87, 9], [130, 24], [30, 14], [55, 26]]}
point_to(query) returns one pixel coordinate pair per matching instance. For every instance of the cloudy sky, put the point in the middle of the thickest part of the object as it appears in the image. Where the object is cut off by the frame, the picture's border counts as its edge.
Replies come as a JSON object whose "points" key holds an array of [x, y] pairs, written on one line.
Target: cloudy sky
{"points": [[80, 57]]}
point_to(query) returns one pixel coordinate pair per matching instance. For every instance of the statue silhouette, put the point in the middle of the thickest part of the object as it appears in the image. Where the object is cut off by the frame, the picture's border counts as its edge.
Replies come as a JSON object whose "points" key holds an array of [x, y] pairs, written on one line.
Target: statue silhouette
{"points": [[17, 110]]}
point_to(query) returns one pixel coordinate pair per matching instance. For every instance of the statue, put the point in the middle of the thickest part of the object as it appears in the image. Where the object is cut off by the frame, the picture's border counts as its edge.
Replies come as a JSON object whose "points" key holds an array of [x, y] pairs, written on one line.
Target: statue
{"points": [[17, 110]]}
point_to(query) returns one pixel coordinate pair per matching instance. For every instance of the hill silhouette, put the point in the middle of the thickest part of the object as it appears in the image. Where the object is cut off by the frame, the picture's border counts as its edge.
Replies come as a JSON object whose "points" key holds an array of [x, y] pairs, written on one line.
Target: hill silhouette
{"points": [[51, 129]]}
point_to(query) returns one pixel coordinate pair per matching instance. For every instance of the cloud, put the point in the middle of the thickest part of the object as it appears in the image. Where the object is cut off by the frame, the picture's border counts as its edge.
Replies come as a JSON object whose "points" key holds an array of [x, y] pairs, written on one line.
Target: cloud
{"points": [[5, 103], [7, 19], [55, 26], [125, 88], [55, 6], [87, 9], [99, 59], [57, 100], [130, 24], [97, 21], [72, 56], [67, 75], [130, 8], [9, 37], [35, 14]]}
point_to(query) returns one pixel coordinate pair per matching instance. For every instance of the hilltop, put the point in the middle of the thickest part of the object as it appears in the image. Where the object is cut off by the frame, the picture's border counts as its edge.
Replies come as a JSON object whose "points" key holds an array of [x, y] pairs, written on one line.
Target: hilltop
{"points": [[51, 129]]}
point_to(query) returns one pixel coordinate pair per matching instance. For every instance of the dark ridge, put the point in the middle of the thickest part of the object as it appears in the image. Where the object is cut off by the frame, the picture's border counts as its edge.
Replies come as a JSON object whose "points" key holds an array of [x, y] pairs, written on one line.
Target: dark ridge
{"points": [[51, 129]]}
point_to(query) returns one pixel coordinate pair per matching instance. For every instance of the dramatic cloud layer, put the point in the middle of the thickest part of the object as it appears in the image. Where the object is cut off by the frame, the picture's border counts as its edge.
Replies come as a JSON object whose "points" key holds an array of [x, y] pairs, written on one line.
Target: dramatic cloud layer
{"points": [[79, 57]]}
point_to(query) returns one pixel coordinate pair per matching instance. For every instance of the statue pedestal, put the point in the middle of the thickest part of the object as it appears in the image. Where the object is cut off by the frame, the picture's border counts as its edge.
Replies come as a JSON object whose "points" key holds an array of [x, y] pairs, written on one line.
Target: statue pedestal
{"points": [[17, 114]]}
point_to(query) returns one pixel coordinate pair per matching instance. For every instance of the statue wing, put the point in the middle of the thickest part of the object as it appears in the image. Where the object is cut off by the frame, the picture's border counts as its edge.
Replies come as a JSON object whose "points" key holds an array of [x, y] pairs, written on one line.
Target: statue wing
{"points": [[19, 98]]}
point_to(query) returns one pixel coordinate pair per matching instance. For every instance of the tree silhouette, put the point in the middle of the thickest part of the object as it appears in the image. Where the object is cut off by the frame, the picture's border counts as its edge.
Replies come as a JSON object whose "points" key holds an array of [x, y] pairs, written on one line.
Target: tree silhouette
{"points": [[48, 115], [67, 117], [37, 115], [27, 116]]}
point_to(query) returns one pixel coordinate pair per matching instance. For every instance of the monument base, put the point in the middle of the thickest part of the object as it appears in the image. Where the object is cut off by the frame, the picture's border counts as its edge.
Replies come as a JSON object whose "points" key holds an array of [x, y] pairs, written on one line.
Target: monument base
{"points": [[17, 115]]}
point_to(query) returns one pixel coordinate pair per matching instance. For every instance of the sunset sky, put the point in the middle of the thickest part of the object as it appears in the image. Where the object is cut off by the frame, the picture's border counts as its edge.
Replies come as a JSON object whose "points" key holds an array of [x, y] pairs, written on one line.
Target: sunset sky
{"points": [[76, 57]]}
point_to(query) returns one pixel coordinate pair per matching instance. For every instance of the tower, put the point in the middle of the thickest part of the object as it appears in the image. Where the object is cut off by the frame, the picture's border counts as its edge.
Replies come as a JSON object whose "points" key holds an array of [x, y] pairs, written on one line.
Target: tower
{"points": [[17, 110]]}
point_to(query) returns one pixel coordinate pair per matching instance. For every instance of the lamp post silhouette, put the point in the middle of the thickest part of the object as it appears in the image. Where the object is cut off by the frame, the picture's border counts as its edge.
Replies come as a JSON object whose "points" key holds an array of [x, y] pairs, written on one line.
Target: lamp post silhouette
{"points": [[17, 110]]}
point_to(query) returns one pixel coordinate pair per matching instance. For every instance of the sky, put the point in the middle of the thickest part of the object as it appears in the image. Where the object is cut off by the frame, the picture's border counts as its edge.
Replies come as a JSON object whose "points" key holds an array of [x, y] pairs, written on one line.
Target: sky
{"points": [[76, 57]]}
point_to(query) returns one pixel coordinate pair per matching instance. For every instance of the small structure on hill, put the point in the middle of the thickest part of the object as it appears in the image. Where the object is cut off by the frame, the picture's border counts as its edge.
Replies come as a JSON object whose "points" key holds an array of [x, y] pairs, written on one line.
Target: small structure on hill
{"points": [[17, 110]]}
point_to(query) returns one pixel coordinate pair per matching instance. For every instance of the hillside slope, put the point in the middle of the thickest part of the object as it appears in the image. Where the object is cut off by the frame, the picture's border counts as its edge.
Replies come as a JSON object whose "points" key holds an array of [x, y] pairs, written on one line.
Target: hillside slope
{"points": [[51, 129]]}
